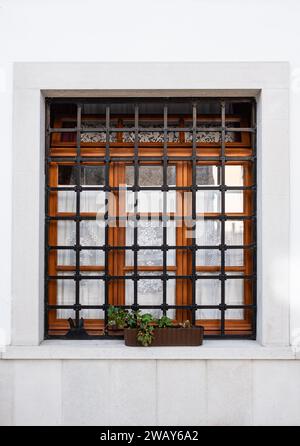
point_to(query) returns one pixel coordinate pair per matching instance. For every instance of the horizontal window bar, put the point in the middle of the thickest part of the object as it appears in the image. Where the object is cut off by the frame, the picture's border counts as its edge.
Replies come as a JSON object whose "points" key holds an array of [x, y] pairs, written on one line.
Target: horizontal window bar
{"points": [[164, 277]]}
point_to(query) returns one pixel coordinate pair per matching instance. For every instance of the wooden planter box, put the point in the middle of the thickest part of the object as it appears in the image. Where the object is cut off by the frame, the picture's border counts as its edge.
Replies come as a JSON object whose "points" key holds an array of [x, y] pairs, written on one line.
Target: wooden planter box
{"points": [[114, 331], [167, 337]]}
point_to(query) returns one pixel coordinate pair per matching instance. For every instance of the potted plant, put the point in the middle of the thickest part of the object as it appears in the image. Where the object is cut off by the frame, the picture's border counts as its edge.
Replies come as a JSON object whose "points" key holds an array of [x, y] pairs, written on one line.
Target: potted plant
{"points": [[144, 330], [117, 319]]}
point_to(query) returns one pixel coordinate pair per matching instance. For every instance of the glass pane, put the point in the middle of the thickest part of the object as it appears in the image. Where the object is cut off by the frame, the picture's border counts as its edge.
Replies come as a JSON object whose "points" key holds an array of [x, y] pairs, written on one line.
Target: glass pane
{"points": [[66, 233], [92, 257], [235, 314], [234, 176], [92, 201], [150, 292], [89, 175], [66, 201], [66, 175], [150, 233], [234, 232], [208, 292], [208, 201], [151, 201], [211, 175], [234, 201], [92, 293], [151, 175], [66, 257], [92, 233], [208, 257], [234, 295], [65, 296], [234, 257], [214, 314], [208, 232], [92, 175], [150, 257], [207, 175]]}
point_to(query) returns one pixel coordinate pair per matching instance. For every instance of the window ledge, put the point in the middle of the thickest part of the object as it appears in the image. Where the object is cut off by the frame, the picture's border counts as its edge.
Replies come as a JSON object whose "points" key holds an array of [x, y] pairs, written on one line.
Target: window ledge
{"points": [[106, 349]]}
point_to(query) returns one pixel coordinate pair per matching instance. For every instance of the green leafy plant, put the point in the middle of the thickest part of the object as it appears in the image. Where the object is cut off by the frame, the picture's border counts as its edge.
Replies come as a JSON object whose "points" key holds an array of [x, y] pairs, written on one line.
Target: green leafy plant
{"points": [[164, 322], [117, 317], [133, 317], [146, 324]]}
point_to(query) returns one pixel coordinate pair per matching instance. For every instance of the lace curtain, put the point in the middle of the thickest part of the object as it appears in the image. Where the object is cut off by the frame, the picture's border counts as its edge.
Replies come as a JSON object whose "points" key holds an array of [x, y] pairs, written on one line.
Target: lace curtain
{"points": [[208, 291], [91, 234]]}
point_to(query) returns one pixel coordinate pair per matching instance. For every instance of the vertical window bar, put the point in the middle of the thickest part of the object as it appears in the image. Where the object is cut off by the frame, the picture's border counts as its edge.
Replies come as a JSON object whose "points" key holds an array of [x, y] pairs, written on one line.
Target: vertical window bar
{"points": [[193, 228], [223, 300], [254, 223], [164, 218], [77, 223], [136, 187], [46, 271], [106, 214]]}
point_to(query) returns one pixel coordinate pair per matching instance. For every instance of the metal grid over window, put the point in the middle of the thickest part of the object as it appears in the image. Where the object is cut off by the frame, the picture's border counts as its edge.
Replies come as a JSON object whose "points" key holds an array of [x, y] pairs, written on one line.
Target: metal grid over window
{"points": [[183, 138]]}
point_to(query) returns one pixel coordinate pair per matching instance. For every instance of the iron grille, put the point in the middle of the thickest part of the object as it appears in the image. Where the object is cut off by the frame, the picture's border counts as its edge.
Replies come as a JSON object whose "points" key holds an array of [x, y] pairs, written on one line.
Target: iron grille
{"points": [[197, 155]]}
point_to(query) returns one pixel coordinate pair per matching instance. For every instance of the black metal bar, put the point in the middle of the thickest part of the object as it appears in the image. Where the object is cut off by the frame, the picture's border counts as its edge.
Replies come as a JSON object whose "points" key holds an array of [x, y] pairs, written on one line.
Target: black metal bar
{"points": [[195, 155], [223, 211], [153, 247], [159, 188], [155, 217], [254, 224], [139, 276], [106, 214], [72, 158], [152, 307], [152, 99], [46, 236], [136, 204], [77, 222], [164, 188], [151, 129], [194, 210]]}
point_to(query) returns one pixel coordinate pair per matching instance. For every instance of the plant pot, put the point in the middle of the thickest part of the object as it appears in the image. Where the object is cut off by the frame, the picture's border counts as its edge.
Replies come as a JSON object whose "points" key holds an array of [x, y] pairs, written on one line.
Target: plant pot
{"points": [[170, 336], [115, 331]]}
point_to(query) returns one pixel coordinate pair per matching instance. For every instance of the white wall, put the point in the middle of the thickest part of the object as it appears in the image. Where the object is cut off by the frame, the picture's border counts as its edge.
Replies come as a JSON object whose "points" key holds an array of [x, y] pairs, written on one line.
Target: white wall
{"points": [[151, 392], [160, 30]]}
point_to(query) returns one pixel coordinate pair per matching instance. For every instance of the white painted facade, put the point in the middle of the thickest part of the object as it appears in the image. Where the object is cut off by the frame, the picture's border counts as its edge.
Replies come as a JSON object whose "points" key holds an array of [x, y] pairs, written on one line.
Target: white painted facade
{"points": [[223, 382]]}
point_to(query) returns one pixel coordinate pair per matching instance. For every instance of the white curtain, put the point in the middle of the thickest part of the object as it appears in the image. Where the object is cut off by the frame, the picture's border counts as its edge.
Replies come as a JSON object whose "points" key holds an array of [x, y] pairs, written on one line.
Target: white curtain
{"points": [[150, 233], [208, 232], [208, 292], [150, 292], [91, 234]]}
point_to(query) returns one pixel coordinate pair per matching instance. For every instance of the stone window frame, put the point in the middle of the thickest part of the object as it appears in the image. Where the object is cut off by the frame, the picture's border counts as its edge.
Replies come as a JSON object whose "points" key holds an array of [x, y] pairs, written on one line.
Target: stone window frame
{"points": [[268, 82]]}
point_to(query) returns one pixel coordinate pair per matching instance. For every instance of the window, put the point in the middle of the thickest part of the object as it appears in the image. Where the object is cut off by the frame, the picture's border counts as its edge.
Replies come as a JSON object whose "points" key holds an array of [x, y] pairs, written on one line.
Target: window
{"points": [[151, 205]]}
